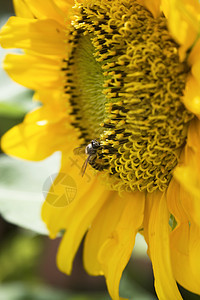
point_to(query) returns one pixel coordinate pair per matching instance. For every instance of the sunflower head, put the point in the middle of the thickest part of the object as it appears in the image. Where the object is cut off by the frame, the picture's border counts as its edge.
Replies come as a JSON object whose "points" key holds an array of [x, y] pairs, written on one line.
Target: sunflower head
{"points": [[120, 80], [130, 100]]}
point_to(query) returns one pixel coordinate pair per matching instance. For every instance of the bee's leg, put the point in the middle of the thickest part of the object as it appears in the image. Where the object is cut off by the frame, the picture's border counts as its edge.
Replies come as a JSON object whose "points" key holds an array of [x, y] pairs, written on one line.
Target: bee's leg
{"points": [[83, 169]]}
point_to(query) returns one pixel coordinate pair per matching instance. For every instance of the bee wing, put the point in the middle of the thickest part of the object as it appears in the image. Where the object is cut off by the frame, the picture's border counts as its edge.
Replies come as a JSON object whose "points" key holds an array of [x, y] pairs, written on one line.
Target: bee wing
{"points": [[84, 166], [79, 151]]}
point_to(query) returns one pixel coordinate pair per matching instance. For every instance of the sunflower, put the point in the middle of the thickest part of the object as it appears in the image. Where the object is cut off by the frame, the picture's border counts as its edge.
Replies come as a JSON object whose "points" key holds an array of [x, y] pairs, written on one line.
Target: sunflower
{"points": [[123, 74]]}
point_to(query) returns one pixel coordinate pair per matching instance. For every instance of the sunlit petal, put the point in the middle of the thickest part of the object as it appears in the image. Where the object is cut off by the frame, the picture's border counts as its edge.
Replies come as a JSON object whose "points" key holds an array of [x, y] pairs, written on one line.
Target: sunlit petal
{"points": [[159, 246], [116, 251]]}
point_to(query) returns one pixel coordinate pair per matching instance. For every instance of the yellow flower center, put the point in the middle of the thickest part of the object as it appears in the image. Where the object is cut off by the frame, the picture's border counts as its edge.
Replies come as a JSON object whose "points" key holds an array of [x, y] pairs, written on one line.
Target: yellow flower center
{"points": [[125, 82]]}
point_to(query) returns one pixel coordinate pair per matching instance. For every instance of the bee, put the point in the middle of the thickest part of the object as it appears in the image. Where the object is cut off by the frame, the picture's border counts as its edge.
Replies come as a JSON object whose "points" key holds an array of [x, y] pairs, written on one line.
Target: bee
{"points": [[91, 151]]}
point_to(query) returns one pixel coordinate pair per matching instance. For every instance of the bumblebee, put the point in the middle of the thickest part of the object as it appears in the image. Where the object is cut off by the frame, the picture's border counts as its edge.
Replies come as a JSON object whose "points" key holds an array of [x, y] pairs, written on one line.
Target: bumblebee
{"points": [[91, 151]]}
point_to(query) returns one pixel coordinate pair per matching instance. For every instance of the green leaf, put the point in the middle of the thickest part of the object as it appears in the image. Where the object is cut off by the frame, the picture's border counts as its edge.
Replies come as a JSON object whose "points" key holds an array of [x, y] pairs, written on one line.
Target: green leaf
{"points": [[132, 290], [20, 291], [21, 184], [19, 256], [17, 105]]}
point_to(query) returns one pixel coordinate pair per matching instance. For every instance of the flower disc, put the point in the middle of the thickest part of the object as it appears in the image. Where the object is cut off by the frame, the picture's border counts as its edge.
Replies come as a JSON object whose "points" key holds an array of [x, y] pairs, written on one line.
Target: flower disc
{"points": [[126, 83]]}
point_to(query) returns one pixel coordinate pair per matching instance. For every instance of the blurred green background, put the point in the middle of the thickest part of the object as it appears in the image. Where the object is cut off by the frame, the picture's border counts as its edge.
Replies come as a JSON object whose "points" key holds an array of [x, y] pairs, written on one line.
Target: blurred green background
{"points": [[27, 259]]}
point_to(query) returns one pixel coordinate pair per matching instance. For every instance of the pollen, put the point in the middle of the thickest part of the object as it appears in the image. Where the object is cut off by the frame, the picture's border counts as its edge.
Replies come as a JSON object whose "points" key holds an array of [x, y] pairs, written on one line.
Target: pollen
{"points": [[126, 82]]}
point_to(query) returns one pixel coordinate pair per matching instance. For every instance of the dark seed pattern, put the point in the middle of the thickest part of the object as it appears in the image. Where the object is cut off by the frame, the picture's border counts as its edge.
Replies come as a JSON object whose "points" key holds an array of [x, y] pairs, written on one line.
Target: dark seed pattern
{"points": [[136, 114]]}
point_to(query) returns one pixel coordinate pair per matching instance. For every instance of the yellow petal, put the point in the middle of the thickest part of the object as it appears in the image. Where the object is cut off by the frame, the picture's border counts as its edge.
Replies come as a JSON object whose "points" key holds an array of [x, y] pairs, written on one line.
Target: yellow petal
{"points": [[184, 240], [194, 54], [116, 251], [45, 9], [43, 36], [195, 71], [189, 178], [191, 97], [82, 216], [22, 9], [174, 202], [101, 228], [190, 194], [194, 259], [153, 6], [194, 63], [193, 140], [35, 138], [159, 247], [191, 204], [185, 246], [45, 115], [186, 14], [57, 218], [33, 71], [165, 7], [65, 5], [188, 170], [53, 100], [183, 206]]}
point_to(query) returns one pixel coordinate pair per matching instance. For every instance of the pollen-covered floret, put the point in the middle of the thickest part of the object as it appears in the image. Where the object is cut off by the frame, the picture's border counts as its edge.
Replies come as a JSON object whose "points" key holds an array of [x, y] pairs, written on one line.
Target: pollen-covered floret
{"points": [[126, 83]]}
